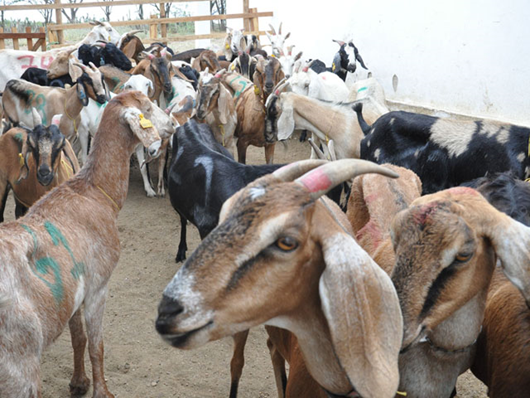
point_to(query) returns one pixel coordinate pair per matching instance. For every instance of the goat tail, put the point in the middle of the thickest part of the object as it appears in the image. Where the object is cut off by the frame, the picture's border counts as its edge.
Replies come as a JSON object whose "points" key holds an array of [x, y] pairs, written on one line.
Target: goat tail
{"points": [[358, 108]]}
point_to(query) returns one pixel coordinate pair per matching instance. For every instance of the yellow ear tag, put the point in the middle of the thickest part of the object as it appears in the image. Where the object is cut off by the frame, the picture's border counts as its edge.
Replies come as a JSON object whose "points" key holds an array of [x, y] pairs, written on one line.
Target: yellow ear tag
{"points": [[233, 67], [333, 66], [21, 159], [145, 123], [273, 56], [256, 90], [227, 46], [109, 39]]}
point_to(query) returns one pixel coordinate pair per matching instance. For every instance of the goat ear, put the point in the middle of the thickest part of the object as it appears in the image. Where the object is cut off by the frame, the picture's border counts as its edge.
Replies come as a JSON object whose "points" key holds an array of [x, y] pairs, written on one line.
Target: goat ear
{"points": [[286, 120], [137, 123], [150, 89], [74, 70], [24, 155], [298, 56], [364, 317], [360, 59], [224, 97], [81, 93], [287, 35]]}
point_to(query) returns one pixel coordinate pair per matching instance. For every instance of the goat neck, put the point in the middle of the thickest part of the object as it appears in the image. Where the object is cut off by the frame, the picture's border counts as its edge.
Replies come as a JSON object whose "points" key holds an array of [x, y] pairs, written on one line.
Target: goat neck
{"points": [[107, 166]]}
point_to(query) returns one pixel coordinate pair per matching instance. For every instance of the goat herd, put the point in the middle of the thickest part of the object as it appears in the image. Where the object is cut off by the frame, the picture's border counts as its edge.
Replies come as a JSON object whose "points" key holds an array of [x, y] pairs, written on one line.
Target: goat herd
{"points": [[394, 294]]}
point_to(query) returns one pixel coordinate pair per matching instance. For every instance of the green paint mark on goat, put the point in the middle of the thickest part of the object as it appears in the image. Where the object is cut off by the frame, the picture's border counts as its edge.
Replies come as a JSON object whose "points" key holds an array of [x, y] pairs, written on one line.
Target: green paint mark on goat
{"points": [[243, 83], [58, 237], [39, 103], [18, 137], [362, 89], [33, 236], [43, 266]]}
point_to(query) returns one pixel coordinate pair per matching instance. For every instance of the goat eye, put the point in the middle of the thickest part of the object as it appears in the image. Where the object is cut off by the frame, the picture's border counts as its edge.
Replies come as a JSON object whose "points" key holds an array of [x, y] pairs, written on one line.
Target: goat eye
{"points": [[286, 244], [463, 257]]}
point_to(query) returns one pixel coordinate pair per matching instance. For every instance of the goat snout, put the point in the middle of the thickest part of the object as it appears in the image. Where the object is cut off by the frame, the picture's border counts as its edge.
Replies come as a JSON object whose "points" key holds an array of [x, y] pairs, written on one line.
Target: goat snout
{"points": [[167, 87], [351, 67], [44, 175], [168, 309], [101, 99]]}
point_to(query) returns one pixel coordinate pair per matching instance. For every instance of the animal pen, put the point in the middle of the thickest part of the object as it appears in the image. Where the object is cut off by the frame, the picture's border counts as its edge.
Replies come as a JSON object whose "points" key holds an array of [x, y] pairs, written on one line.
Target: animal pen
{"points": [[158, 24]]}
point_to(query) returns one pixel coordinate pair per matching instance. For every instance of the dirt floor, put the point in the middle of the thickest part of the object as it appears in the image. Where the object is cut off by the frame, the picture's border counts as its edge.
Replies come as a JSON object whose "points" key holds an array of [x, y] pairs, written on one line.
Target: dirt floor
{"points": [[137, 362]]}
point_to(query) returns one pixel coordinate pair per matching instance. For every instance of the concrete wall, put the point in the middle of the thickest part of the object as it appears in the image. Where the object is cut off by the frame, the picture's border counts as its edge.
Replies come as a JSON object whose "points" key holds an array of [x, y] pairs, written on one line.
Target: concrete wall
{"points": [[470, 57]]}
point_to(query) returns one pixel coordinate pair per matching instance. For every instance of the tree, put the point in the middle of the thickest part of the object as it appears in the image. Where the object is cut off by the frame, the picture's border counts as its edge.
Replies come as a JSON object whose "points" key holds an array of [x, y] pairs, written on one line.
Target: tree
{"points": [[218, 7], [107, 10], [140, 11], [167, 8], [73, 11], [46, 14]]}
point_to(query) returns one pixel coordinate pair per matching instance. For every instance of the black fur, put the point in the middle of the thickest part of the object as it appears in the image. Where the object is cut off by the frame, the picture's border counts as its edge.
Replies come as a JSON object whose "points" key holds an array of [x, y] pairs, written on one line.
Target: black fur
{"points": [[404, 139], [39, 76], [108, 55], [188, 55], [191, 74]]}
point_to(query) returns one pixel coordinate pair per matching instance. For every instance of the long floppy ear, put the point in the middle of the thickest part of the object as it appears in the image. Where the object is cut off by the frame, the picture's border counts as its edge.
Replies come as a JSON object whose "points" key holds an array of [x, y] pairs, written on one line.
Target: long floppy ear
{"points": [[81, 93], [364, 317], [74, 70], [286, 123], [142, 127], [224, 97], [150, 89], [360, 59], [23, 155]]}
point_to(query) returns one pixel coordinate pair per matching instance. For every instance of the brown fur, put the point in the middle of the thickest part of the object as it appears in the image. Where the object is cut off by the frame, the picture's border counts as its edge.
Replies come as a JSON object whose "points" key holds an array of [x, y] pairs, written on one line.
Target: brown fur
{"points": [[206, 59], [84, 210], [132, 47], [150, 69], [28, 190]]}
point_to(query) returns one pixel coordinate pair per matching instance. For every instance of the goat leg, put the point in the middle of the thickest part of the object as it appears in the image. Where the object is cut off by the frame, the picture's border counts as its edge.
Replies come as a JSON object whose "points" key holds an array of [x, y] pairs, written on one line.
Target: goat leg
{"points": [[278, 365], [140, 155], [181, 253], [4, 190], [162, 160], [20, 209], [94, 309], [80, 382], [238, 361], [269, 153]]}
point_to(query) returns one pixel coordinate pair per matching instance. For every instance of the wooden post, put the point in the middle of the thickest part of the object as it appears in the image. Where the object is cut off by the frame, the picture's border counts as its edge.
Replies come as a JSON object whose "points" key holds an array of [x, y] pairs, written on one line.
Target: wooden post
{"points": [[30, 42], [15, 41], [52, 34], [43, 45], [246, 10], [59, 21], [254, 22], [2, 42], [153, 29], [163, 26]]}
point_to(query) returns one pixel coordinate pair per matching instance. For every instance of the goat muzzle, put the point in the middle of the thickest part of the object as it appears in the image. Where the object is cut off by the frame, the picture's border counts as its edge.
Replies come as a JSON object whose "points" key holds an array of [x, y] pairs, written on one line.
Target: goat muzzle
{"points": [[44, 175]]}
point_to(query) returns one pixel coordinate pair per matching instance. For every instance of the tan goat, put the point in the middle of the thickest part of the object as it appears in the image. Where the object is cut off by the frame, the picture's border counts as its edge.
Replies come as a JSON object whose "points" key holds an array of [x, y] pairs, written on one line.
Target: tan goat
{"points": [[33, 162], [295, 266], [62, 253], [446, 246]]}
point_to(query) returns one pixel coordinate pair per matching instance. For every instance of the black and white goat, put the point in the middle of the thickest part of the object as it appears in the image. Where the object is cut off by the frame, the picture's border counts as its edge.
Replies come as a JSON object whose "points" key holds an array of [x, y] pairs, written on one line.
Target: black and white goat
{"points": [[344, 61]]}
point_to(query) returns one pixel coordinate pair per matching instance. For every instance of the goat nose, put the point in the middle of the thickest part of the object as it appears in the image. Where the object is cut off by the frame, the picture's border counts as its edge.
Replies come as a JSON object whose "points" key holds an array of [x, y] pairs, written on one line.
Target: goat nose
{"points": [[168, 309], [44, 171]]}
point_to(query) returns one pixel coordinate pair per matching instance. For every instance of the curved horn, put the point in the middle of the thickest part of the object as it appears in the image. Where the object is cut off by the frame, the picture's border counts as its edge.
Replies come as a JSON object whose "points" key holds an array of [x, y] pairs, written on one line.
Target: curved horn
{"points": [[132, 32], [321, 180], [331, 148], [277, 91], [339, 42], [273, 30], [80, 65], [37, 120], [317, 150], [294, 170], [280, 29]]}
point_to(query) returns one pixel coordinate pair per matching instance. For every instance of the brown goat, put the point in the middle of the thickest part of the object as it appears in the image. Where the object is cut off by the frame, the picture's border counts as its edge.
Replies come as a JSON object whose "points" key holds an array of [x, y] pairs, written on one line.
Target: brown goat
{"points": [[206, 59], [20, 151], [250, 107], [132, 46], [159, 70], [446, 246], [62, 254]]}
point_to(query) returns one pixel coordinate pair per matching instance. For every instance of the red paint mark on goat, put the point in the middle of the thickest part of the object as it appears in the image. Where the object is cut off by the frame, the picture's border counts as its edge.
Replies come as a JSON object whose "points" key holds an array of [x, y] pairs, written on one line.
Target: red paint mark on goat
{"points": [[316, 181], [373, 232], [30, 60], [422, 214], [371, 198], [463, 191]]}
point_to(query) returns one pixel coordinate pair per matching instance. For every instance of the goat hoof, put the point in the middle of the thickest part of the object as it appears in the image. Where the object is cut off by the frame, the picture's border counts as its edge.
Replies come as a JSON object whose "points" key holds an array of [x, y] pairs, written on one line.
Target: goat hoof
{"points": [[161, 193], [79, 388], [150, 193], [180, 257]]}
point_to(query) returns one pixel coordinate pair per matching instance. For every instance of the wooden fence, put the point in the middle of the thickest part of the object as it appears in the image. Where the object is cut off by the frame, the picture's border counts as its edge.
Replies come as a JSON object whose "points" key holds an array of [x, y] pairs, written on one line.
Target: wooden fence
{"points": [[15, 36], [250, 18]]}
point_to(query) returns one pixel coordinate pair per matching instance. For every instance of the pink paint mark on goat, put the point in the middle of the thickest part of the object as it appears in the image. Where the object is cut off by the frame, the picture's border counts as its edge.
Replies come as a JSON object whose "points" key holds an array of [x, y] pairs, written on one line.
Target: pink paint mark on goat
{"points": [[371, 231], [30, 60], [316, 181], [371, 198], [422, 214], [463, 191]]}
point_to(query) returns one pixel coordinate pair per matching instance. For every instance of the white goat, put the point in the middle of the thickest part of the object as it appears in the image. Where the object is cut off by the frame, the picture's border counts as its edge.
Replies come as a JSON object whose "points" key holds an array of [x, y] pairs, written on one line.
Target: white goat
{"points": [[61, 255], [298, 261], [277, 40]]}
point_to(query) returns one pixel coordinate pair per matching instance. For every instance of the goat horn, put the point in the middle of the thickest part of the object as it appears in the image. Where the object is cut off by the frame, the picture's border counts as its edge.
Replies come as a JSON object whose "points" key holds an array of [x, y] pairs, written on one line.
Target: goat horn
{"points": [[79, 65], [132, 32], [331, 148], [317, 150], [280, 30], [37, 120], [273, 30], [323, 179], [339, 42], [292, 171]]}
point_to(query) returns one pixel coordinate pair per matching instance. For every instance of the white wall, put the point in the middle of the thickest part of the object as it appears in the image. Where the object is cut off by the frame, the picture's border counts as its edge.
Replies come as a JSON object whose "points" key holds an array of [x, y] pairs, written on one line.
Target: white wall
{"points": [[462, 56]]}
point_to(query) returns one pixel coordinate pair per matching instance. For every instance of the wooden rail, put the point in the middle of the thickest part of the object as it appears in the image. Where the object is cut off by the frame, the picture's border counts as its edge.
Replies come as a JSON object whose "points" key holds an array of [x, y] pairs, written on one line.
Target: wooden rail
{"points": [[250, 18], [28, 35]]}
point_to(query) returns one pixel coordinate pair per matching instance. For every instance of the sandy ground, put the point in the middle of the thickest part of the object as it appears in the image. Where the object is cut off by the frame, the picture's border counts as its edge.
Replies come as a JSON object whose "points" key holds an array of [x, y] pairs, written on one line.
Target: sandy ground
{"points": [[137, 362]]}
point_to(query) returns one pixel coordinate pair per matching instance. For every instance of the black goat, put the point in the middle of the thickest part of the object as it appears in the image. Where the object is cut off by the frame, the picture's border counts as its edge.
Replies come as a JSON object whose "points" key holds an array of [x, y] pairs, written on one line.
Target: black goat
{"points": [[203, 175], [445, 153], [39, 76], [191, 74], [344, 61], [104, 54]]}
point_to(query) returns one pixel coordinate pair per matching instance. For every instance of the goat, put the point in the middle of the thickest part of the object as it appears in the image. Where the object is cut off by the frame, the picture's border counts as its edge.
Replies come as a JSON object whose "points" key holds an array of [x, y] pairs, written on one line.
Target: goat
{"points": [[445, 153], [502, 353], [115, 78], [244, 64], [40, 76], [131, 45], [344, 62], [277, 40], [20, 97], [62, 253], [91, 116], [324, 86], [15, 62], [206, 59], [216, 105], [250, 107], [160, 71], [32, 163], [446, 246], [104, 54], [344, 310], [188, 55], [288, 61], [327, 120]]}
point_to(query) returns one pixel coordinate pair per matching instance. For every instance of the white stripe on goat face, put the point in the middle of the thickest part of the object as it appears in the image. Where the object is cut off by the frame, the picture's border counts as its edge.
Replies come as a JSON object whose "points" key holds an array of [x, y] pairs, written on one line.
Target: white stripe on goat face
{"points": [[350, 52]]}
